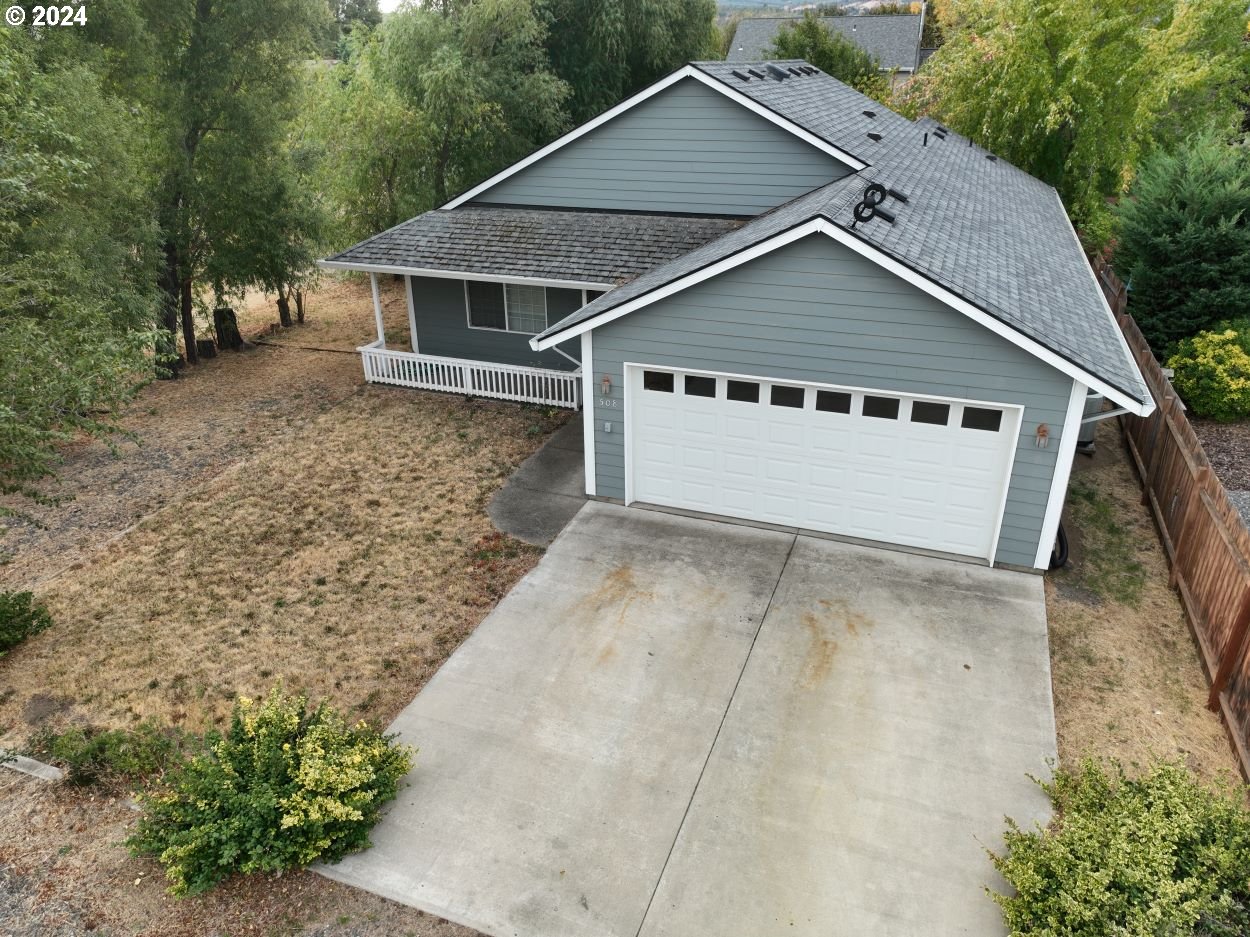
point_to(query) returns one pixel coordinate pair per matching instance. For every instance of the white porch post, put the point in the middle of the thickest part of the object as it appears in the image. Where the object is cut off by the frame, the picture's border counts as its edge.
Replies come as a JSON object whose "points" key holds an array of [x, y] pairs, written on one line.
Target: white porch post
{"points": [[377, 309], [412, 314]]}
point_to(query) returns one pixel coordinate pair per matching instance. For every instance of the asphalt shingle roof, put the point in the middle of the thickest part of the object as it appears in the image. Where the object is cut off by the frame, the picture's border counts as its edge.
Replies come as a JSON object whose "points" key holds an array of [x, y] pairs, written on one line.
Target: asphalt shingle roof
{"points": [[893, 40], [818, 103], [591, 247], [987, 231]]}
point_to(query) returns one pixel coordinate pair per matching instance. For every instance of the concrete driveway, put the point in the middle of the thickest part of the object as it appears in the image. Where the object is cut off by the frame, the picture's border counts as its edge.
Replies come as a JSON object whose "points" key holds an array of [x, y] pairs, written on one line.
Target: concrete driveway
{"points": [[684, 728]]}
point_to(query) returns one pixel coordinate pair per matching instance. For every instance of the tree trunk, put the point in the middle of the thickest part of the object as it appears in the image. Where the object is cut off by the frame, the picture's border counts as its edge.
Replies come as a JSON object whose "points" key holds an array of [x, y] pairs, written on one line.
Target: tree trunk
{"points": [[188, 323], [226, 325], [168, 362], [284, 309], [299, 306]]}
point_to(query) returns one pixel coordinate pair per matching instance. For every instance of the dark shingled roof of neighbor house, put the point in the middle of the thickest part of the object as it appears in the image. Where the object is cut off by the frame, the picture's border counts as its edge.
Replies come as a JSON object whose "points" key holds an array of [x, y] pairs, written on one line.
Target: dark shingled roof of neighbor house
{"points": [[972, 223], [578, 246], [892, 39]]}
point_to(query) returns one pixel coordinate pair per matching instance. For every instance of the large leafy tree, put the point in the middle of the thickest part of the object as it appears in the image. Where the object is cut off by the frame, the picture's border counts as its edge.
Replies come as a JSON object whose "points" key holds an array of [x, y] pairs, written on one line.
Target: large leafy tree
{"points": [[226, 74], [608, 49], [77, 252], [830, 51], [1184, 239], [1076, 93]]}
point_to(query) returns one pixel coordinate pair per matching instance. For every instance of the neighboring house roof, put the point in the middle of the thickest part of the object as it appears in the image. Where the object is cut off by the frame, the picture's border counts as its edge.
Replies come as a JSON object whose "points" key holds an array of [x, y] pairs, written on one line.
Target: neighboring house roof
{"points": [[597, 248], [892, 39], [973, 226]]}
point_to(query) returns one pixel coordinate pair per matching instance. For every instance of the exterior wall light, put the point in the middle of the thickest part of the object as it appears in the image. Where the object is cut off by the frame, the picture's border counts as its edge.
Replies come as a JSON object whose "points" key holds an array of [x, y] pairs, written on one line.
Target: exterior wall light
{"points": [[605, 386]]}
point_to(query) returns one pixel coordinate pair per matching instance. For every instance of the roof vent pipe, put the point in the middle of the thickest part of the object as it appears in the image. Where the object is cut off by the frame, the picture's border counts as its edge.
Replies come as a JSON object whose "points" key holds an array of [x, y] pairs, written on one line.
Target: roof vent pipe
{"points": [[926, 139]]}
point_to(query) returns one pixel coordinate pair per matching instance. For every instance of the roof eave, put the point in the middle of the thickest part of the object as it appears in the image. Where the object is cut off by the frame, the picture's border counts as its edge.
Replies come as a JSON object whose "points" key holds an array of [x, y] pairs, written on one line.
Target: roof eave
{"points": [[436, 273]]}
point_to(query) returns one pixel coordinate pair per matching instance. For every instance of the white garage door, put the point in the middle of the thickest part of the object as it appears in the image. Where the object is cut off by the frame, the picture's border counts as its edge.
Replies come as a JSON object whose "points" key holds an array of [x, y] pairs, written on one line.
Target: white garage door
{"points": [[922, 472]]}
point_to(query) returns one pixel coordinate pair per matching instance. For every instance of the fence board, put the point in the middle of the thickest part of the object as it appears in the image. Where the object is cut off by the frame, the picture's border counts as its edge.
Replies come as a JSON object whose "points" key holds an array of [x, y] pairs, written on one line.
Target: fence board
{"points": [[1206, 540]]}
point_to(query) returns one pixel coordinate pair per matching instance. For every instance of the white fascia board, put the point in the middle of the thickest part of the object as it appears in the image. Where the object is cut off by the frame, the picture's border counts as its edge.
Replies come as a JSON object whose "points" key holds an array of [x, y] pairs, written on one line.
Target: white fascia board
{"points": [[689, 280], [1102, 297], [755, 107], [883, 260], [687, 71], [1063, 472], [463, 275], [981, 317]]}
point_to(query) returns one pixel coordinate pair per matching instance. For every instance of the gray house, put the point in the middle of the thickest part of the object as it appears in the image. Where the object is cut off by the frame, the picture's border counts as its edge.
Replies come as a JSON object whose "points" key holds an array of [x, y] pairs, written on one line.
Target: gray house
{"points": [[893, 39], [779, 301]]}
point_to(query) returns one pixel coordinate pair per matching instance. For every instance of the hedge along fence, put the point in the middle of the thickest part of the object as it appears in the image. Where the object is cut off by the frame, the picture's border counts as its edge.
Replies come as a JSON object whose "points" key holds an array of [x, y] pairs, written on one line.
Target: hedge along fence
{"points": [[1206, 540]]}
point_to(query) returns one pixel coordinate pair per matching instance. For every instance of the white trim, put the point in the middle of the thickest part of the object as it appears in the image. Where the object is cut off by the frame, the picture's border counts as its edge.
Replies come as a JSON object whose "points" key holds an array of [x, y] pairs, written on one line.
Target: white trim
{"points": [[1063, 471], [1002, 504], [507, 318], [688, 71], [588, 413], [629, 368], [412, 315], [463, 275], [883, 260], [691, 279], [1115, 325], [377, 309]]}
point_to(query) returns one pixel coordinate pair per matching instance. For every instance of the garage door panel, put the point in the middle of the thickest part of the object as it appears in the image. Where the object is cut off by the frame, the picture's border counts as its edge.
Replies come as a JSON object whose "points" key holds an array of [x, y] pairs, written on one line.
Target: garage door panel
{"points": [[892, 480]]}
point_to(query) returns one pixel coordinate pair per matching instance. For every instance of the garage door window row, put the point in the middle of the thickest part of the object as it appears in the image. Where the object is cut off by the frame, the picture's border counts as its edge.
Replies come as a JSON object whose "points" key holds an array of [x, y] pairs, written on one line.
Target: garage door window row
{"points": [[787, 396]]}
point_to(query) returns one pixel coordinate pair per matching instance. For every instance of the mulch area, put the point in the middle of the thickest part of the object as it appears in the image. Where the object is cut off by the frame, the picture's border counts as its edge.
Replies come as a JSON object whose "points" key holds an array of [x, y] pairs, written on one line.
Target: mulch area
{"points": [[1228, 447]]}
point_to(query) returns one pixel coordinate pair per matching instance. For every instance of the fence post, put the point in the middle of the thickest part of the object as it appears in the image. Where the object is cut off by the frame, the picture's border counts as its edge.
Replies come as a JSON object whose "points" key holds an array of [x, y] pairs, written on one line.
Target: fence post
{"points": [[1152, 467], [1193, 506], [1234, 651]]}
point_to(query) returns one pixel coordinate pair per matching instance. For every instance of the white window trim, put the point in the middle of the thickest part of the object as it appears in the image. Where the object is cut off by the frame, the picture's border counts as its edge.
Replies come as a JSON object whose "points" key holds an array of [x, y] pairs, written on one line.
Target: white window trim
{"points": [[507, 318]]}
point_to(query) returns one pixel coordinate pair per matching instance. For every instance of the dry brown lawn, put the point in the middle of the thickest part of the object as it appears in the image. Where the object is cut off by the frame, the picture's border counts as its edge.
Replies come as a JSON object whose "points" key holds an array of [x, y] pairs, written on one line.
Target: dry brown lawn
{"points": [[1128, 683], [333, 537]]}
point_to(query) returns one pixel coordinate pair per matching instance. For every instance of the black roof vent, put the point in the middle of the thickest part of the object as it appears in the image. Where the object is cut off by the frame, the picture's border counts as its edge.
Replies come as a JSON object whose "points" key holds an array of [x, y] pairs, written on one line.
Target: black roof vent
{"points": [[873, 136], [809, 70], [991, 157], [939, 135], [897, 195], [870, 113], [754, 74], [943, 129], [794, 71], [777, 73], [884, 215], [741, 77]]}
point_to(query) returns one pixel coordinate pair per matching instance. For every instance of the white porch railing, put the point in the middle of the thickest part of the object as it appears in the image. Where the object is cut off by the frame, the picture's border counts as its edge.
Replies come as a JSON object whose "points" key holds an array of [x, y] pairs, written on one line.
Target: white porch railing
{"points": [[475, 378]]}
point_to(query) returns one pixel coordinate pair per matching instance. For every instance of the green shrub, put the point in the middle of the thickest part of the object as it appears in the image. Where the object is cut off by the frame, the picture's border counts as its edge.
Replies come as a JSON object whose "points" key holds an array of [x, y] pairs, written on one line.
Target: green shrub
{"points": [[20, 617], [115, 755], [1213, 375], [1153, 856], [286, 785]]}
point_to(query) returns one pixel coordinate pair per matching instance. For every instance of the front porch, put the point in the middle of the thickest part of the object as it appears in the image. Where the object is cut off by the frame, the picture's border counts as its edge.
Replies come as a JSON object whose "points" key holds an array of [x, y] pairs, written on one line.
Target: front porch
{"points": [[476, 378], [471, 376]]}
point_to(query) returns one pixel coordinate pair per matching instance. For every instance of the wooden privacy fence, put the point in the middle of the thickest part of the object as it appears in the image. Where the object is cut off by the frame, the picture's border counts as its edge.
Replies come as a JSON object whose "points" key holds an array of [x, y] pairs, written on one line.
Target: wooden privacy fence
{"points": [[1207, 543]]}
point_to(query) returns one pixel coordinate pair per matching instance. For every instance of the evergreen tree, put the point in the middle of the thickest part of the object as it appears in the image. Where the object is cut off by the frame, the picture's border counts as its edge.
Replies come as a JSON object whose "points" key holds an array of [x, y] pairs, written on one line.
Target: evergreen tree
{"points": [[1184, 240]]}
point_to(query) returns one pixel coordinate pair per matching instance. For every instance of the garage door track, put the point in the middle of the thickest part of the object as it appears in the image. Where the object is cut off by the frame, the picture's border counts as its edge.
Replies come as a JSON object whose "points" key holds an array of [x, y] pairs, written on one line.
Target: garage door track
{"points": [[679, 727]]}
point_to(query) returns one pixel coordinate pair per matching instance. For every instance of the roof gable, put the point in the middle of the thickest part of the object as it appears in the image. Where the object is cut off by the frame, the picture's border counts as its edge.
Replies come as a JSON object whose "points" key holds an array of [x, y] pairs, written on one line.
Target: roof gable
{"points": [[784, 111]]}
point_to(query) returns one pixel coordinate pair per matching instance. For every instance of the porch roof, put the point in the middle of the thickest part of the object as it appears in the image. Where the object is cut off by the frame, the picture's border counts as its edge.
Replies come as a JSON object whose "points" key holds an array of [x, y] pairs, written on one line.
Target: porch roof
{"points": [[587, 247]]}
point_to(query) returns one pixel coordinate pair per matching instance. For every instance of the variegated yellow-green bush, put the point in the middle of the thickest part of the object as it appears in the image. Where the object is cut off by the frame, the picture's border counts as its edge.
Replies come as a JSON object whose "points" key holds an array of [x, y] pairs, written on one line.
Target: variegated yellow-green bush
{"points": [[285, 786], [1152, 856], [1213, 375]]}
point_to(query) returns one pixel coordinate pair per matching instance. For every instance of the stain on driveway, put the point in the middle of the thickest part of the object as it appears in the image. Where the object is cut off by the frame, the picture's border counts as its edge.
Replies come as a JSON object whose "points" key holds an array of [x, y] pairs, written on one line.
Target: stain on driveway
{"points": [[678, 727]]}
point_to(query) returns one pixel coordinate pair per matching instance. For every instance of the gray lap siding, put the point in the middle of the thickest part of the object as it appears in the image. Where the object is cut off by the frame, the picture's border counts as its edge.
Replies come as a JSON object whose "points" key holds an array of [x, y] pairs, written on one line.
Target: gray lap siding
{"points": [[443, 327], [686, 149], [816, 311]]}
